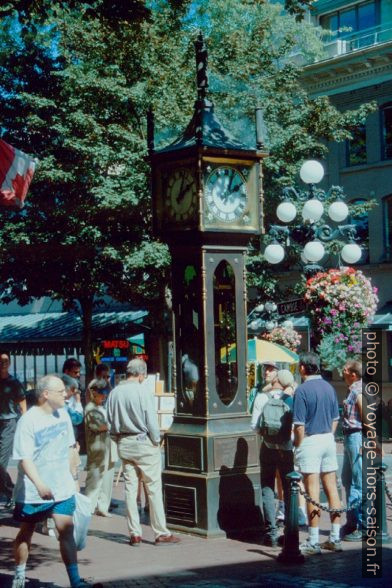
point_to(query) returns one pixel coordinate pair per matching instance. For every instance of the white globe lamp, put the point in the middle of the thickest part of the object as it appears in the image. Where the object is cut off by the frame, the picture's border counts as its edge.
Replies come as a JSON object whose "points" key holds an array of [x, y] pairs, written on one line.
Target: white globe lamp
{"points": [[304, 259], [270, 306], [288, 324], [274, 253], [259, 308], [311, 172], [351, 253], [286, 212], [313, 210], [338, 211], [269, 325], [314, 251]]}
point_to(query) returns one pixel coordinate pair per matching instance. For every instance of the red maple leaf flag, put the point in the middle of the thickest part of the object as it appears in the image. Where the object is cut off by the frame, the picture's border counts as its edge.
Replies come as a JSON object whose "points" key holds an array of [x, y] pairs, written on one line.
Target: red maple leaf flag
{"points": [[16, 173]]}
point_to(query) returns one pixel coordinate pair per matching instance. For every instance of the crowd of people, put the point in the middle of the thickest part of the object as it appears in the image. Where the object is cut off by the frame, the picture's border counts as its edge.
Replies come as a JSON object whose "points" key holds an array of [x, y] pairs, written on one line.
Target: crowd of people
{"points": [[296, 423], [45, 440], [297, 427]]}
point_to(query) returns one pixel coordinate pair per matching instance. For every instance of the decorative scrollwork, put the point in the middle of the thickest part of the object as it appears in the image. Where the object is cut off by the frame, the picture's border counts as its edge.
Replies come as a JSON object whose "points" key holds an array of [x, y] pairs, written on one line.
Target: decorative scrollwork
{"points": [[326, 233], [289, 194], [349, 232], [336, 192], [279, 233]]}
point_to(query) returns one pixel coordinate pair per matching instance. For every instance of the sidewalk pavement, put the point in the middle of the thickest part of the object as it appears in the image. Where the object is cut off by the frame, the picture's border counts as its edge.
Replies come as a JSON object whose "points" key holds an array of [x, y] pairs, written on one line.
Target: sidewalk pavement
{"points": [[194, 563]]}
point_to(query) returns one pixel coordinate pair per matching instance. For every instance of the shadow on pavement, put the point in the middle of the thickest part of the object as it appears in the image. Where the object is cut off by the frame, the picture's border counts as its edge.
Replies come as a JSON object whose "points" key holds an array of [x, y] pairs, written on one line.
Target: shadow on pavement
{"points": [[327, 570], [108, 536], [6, 582], [39, 555]]}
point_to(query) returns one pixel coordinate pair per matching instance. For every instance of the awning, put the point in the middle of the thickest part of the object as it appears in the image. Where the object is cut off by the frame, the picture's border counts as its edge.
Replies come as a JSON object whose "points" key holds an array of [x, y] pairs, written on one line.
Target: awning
{"points": [[381, 320], [383, 316], [53, 330]]}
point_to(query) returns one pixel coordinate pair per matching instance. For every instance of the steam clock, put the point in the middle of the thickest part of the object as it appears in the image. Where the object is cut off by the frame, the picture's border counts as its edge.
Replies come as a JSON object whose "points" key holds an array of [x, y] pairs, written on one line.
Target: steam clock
{"points": [[207, 202]]}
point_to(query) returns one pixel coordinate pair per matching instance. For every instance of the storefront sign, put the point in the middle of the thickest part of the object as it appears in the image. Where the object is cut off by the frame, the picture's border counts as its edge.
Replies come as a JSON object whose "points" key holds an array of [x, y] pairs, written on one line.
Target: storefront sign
{"points": [[295, 306]]}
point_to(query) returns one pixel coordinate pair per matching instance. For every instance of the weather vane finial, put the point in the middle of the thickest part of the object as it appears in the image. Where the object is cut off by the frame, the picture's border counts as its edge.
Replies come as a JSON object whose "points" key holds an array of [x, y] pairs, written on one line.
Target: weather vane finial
{"points": [[201, 67]]}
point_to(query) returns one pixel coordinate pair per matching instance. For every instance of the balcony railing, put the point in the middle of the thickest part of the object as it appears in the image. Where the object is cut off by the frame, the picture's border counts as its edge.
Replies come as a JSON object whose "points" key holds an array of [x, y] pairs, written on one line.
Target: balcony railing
{"points": [[347, 43]]}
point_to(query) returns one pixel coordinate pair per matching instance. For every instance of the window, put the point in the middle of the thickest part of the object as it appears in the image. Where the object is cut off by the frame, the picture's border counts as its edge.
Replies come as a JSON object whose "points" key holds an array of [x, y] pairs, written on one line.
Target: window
{"points": [[366, 16], [386, 131], [388, 227], [359, 17], [348, 19], [356, 147], [361, 221]]}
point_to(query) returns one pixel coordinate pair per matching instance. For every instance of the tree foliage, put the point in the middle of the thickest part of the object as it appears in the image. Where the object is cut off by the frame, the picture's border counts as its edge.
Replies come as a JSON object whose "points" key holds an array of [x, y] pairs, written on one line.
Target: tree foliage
{"points": [[251, 63], [74, 93], [76, 81]]}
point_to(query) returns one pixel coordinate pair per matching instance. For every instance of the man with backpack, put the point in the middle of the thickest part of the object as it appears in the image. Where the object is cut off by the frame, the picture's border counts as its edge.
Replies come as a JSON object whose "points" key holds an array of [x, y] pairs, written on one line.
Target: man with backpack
{"points": [[272, 417]]}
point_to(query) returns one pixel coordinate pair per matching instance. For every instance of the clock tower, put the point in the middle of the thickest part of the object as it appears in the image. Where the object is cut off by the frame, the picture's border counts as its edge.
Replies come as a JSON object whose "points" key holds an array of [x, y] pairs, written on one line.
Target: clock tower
{"points": [[207, 203]]}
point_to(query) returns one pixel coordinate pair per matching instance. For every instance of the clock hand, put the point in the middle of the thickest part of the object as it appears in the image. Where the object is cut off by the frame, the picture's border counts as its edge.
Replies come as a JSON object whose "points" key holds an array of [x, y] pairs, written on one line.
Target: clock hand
{"points": [[231, 182], [182, 192], [182, 184], [235, 189]]}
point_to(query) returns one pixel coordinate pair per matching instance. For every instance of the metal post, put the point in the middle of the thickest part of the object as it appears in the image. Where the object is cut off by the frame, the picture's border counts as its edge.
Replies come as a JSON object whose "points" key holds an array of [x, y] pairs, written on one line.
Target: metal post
{"points": [[290, 553], [381, 515]]}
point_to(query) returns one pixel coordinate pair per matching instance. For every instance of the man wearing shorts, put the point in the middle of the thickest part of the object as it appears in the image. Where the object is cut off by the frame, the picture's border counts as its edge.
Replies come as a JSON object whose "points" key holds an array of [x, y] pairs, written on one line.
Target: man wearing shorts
{"points": [[45, 487], [315, 418]]}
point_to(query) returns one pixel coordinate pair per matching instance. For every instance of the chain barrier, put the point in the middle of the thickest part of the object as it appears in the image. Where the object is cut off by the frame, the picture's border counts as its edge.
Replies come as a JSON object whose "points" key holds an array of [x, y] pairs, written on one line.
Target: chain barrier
{"points": [[341, 510], [326, 508]]}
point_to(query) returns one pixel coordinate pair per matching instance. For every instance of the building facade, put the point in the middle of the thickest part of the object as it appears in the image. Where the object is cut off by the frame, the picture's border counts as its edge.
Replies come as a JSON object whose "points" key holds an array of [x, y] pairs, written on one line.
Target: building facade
{"points": [[356, 68]]}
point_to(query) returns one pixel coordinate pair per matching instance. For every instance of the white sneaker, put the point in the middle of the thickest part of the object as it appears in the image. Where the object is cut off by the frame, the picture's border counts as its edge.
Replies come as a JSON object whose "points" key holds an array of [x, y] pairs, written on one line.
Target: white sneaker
{"points": [[18, 582], [280, 515], [332, 545], [307, 548]]}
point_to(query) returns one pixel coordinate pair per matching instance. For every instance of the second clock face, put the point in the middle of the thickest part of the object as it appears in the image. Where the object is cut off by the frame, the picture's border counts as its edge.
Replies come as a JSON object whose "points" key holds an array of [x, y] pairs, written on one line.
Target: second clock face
{"points": [[226, 194], [181, 195]]}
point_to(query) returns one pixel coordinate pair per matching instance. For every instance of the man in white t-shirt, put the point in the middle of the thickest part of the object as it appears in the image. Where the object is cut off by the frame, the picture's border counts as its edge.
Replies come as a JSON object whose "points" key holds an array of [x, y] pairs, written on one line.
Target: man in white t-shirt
{"points": [[45, 486]]}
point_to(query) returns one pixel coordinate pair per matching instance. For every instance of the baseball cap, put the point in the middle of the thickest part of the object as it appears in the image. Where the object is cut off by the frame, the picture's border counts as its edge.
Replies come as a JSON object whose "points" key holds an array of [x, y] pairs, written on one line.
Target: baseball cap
{"points": [[271, 363], [100, 386]]}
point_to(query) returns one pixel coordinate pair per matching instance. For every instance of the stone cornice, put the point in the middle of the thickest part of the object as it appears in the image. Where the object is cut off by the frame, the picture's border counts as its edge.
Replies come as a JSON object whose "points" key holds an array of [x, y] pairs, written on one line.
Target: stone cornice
{"points": [[349, 71]]}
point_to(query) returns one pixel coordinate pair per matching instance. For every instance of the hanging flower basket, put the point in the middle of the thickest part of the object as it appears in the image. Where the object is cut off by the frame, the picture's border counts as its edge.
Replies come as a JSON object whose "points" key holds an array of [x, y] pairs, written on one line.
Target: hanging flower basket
{"points": [[287, 337], [340, 303]]}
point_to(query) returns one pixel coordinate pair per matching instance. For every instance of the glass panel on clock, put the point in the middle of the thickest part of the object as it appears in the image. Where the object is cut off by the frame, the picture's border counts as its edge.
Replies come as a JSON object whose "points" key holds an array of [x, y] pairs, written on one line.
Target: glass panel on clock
{"points": [[189, 339], [225, 331]]}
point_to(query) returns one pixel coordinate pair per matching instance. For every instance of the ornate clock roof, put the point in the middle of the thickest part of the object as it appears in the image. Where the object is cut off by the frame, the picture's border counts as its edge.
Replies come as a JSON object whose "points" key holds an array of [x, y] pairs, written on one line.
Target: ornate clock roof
{"points": [[204, 129]]}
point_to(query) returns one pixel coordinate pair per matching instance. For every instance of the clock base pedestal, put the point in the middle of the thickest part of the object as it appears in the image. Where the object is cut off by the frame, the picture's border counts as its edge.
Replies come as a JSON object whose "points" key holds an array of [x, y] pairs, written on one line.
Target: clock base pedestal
{"points": [[211, 482]]}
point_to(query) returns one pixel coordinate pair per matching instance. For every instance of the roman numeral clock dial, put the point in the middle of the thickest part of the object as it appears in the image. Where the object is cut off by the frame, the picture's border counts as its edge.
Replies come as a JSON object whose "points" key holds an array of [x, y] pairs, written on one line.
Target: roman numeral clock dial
{"points": [[226, 195], [180, 202]]}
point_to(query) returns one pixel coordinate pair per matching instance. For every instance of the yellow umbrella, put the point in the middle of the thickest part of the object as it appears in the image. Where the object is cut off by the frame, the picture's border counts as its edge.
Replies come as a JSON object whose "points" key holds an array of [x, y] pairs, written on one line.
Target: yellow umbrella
{"points": [[260, 350]]}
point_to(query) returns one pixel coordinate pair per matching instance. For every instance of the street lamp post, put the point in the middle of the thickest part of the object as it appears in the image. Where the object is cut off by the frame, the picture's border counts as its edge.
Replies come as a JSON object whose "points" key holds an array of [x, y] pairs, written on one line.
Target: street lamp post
{"points": [[264, 318], [314, 230]]}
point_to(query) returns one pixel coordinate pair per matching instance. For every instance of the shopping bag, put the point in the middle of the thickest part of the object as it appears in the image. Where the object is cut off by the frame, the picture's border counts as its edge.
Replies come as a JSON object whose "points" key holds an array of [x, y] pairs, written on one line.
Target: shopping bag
{"points": [[81, 520]]}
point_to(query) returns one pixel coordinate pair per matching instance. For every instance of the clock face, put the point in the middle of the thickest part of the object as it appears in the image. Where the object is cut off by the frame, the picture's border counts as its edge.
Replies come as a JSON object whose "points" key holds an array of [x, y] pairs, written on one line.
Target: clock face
{"points": [[181, 195], [226, 194]]}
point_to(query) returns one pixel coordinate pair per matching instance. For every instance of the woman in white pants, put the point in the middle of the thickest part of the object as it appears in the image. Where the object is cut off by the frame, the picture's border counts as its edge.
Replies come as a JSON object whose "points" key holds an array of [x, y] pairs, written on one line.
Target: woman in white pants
{"points": [[101, 451]]}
